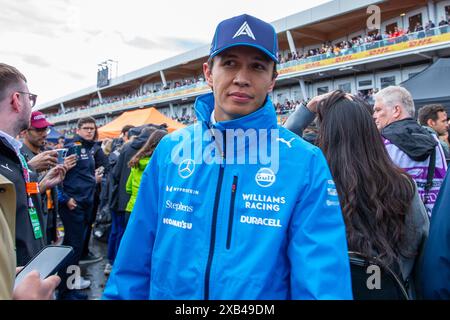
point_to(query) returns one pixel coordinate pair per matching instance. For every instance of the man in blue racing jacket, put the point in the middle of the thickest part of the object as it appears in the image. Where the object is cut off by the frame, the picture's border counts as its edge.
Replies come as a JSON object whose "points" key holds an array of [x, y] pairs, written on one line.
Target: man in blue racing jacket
{"points": [[234, 206]]}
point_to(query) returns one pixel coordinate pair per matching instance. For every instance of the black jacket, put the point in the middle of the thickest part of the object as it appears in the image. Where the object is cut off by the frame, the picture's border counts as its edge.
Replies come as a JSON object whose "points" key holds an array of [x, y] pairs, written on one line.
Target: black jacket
{"points": [[106, 184], [79, 182], [101, 160], [119, 197], [411, 138], [10, 167]]}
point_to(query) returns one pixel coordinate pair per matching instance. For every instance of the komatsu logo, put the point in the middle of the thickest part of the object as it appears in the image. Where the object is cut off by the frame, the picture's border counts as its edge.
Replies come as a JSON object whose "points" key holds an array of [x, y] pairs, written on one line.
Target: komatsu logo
{"points": [[265, 177]]}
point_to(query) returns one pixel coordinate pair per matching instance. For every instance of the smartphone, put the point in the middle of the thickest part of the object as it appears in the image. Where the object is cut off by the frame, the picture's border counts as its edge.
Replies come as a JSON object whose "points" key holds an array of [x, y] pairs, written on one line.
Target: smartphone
{"points": [[47, 262], [75, 149], [61, 155], [100, 170]]}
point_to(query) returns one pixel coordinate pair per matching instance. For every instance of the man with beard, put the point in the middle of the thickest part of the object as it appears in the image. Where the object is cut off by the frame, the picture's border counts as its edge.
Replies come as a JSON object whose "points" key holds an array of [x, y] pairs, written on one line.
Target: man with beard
{"points": [[34, 139], [433, 117]]}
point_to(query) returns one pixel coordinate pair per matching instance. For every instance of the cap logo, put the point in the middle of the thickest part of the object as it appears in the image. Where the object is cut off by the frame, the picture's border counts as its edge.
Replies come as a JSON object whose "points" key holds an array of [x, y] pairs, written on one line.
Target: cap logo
{"points": [[38, 117], [245, 30]]}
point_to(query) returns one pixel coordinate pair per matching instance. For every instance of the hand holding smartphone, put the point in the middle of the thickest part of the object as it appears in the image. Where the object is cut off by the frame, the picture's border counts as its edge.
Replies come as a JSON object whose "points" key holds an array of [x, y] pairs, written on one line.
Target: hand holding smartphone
{"points": [[47, 262], [100, 170], [61, 155], [70, 161], [74, 149]]}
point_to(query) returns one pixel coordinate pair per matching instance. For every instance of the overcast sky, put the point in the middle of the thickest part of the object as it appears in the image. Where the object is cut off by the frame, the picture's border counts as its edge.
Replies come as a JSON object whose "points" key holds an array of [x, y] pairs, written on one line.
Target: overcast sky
{"points": [[57, 44]]}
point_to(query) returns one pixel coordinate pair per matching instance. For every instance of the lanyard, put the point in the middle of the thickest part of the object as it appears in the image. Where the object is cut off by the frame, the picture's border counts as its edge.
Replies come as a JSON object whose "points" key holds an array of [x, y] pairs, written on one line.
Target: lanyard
{"points": [[25, 169], [31, 186]]}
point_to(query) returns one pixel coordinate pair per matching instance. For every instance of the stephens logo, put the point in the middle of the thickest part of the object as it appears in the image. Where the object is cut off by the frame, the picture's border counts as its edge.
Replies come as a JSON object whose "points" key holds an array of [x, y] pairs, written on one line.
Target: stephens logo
{"points": [[179, 206], [265, 177]]}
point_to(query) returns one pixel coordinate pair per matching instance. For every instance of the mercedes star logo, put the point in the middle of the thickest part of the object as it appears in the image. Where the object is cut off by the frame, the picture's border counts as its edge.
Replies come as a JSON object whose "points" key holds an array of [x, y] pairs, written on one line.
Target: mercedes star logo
{"points": [[186, 168]]}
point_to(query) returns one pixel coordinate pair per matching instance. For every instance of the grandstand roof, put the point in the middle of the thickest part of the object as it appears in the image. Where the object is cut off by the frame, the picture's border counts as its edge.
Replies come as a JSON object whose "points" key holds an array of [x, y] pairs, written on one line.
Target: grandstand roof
{"points": [[431, 85], [195, 57]]}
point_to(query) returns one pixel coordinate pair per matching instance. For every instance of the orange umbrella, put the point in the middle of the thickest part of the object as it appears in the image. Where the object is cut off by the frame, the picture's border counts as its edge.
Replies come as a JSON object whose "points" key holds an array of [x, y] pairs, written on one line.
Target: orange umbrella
{"points": [[137, 118]]}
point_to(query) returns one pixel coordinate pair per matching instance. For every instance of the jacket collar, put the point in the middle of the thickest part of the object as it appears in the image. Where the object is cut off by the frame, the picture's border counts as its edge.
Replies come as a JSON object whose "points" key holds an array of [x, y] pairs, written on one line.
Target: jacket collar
{"points": [[15, 144], [431, 130], [263, 118], [85, 143]]}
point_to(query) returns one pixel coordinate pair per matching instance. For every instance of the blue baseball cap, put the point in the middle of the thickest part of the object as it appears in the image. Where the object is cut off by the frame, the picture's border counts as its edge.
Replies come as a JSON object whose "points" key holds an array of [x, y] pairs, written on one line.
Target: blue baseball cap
{"points": [[245, 30]]}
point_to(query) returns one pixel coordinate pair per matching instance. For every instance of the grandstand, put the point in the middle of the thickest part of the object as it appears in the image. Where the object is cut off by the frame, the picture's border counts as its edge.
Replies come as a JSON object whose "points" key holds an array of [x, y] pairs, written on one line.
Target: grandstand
{"points": [[321, 49]]}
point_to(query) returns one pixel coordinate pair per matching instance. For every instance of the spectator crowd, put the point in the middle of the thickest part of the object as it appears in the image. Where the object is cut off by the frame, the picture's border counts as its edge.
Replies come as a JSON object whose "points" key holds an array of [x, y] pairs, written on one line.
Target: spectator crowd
{"points": [[330, 50]]}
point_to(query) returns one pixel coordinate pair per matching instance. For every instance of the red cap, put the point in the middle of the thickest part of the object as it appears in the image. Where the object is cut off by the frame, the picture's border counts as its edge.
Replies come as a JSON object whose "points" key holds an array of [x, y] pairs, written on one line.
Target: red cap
{"points": [[38, 120]]}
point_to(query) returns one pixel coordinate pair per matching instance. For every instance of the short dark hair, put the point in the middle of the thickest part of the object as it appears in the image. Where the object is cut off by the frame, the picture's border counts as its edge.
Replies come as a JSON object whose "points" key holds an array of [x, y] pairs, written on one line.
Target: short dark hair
{"points": [[9, 76], [126, 128], [85, 120], [274, 74], [430, 111]]}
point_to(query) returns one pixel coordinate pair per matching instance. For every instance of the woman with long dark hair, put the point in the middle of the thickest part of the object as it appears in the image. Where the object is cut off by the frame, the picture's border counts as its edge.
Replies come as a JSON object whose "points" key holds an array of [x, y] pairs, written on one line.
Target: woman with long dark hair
{"points": [[384, 216]]}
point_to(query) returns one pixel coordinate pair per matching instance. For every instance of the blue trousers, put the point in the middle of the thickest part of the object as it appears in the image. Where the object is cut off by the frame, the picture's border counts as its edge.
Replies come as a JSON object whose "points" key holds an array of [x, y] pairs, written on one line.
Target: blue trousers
{"points": [[117, 229]]}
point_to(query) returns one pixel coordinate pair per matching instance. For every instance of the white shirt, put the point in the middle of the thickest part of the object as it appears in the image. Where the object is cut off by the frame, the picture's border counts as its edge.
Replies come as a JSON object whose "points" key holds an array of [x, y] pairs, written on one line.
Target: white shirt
{"points": [[17, 145]]}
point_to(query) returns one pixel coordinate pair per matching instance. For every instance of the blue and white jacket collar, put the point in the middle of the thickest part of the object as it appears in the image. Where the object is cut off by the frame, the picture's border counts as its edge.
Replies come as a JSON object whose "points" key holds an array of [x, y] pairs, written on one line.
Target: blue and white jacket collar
{"points": [[263, 118]]}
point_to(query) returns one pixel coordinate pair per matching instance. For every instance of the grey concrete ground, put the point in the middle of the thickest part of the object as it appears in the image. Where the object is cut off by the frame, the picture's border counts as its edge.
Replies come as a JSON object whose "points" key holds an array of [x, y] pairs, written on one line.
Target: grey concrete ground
{"points": [[94, 271]]}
